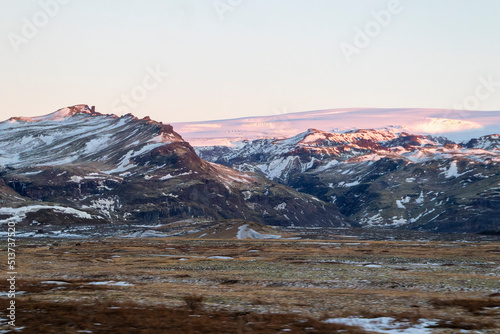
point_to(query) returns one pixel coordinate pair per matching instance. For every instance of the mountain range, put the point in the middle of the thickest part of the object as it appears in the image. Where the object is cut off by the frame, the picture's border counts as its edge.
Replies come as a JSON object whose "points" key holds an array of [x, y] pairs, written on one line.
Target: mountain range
{"points": [[77, 169], [456, 125], [383, 177]]}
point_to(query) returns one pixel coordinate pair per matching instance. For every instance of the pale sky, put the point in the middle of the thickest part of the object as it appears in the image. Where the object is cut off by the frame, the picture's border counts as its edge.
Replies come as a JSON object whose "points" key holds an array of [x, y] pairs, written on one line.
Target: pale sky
{"points": [[192, 60]]}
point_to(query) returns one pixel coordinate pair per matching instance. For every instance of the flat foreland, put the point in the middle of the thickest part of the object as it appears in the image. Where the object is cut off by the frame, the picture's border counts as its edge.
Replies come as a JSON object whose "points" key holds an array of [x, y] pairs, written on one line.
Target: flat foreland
{"points": [[253, 286]]}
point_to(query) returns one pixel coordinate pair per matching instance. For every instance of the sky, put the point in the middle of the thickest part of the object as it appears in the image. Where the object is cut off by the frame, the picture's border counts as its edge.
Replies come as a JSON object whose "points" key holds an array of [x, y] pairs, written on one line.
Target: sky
{"points": [[194, 60]]}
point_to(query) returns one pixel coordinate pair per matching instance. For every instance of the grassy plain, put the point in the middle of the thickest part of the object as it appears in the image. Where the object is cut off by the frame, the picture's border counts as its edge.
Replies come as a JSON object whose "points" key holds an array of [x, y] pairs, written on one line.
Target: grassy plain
{"points": [[184, 285]]}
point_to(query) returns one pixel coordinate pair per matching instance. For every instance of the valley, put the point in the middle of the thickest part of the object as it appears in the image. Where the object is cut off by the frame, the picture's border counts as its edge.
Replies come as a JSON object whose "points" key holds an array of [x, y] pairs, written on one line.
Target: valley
{"points": [[123, 227]]}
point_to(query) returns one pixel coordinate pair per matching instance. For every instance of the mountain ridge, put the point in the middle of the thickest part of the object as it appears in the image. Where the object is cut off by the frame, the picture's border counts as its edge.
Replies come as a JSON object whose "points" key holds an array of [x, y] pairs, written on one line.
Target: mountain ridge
{"points": [[383, 177], [127, 172], [457, 125], [76, 167]]}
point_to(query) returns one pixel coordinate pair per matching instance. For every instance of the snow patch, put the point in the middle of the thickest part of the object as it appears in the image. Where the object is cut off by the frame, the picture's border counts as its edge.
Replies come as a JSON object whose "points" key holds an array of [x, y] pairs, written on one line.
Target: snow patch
{"points": [[400, 205], [111, 283], [18, 214], [169, 176], [420, 199], [387, 325], [452, 171], [281, 206], [244, 232]]}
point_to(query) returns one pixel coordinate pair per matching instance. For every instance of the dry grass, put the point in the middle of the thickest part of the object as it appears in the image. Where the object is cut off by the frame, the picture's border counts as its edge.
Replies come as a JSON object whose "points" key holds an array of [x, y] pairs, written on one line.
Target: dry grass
{"points": [[194, 303], [466, 323], [297, 279], [474, 306], [410, 317], [120, 318]]}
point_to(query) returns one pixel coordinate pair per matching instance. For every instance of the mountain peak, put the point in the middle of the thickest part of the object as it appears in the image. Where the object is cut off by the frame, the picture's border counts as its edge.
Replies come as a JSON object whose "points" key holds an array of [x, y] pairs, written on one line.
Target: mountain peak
{"points": [[312, 130], [489, 142], [79, 134], [82, 109], [61, 114]]}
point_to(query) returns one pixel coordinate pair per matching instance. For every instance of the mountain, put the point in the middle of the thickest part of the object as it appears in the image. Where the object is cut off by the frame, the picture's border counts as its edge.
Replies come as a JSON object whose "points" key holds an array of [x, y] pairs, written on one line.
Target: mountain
{"points": [[457, 125], [278, 159], [77, 168], [383, 177], [77, 171]]}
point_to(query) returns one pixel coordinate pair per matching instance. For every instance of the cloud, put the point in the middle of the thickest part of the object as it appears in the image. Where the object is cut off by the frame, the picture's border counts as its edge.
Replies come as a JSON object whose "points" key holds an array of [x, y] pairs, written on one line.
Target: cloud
{"points": [[444, 125]]}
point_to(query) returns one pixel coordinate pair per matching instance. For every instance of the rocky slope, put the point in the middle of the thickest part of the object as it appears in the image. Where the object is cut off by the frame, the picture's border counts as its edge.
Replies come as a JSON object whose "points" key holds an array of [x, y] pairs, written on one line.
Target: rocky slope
{"points": [[78, 167], [383, 177]]}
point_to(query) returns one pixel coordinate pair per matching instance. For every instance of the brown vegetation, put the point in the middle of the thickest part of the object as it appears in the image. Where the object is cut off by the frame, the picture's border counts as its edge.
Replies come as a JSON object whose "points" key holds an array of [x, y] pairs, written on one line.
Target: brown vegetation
{"points": [[251, 286], [127, 317], [474, 306]]}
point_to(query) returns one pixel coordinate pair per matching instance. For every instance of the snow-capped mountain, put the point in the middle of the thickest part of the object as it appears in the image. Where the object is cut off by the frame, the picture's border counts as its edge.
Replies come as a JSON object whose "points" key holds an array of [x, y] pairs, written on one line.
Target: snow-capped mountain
{"points": [[384, 177], [490, 143], [80, 135], [77, 167], [280, 158], [457, 125]]}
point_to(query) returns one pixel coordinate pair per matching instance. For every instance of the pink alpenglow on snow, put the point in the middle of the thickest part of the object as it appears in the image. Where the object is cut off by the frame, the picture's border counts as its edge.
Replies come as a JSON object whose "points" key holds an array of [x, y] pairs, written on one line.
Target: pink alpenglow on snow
{"points": [[453, 124]]}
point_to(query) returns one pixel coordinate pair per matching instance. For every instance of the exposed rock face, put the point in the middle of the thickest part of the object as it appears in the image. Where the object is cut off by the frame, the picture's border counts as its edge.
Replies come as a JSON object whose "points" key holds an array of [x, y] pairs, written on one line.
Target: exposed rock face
{"points": [[383, 177], [78, 165]]}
